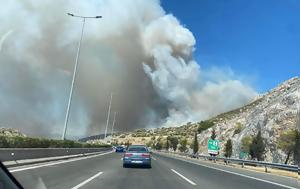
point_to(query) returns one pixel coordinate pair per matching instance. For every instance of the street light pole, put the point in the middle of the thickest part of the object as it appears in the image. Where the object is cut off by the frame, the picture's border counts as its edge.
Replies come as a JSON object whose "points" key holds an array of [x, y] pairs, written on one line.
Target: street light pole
{"points": [[74, 72], [108, 115], [113, 124]]}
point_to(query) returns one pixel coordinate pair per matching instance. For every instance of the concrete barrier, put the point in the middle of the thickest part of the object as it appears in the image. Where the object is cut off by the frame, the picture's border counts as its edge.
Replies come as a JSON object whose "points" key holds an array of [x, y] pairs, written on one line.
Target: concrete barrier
{"points": [[13, 154]]}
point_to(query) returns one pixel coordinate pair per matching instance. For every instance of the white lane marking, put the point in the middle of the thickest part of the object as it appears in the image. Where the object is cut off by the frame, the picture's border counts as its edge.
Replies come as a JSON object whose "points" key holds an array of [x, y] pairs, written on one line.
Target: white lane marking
{"points": [[56, 163], [87, 180], [121, 158], [239, 174], [188, 180], [153, 158]]}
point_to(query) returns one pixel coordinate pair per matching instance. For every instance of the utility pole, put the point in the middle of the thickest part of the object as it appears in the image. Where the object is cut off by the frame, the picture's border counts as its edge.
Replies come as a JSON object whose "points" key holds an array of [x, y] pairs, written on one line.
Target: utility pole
{"points": [[75, 71], [113, 124], [108, 115]]}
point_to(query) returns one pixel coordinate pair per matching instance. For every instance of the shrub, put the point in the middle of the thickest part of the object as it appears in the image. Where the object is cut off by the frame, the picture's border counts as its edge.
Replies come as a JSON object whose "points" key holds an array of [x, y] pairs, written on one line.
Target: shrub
{"points": [[286, 143], [238, 128], [245, 144], [228, 149], [174, 142], [28, 142], [183, 143], [203, 125], [3, 142]]}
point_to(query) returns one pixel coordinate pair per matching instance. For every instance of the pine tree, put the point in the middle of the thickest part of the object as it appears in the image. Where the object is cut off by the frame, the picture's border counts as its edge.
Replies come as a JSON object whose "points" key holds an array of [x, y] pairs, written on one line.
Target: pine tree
{"points": [[195, 144], [257, 148], [228, 148], [213, 134], [174, 142], [287, 142], [168, 143], [297, 148], [297, 141]]}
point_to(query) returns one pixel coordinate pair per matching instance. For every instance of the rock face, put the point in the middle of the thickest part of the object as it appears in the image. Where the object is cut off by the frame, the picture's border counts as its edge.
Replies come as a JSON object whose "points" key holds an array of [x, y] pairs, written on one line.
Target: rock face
{"points": [[272, 113], [10, 132]]}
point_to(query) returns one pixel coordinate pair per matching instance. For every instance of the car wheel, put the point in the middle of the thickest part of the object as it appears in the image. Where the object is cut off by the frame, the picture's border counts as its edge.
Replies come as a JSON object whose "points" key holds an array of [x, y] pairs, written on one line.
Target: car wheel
{"points": [[124, 165]]}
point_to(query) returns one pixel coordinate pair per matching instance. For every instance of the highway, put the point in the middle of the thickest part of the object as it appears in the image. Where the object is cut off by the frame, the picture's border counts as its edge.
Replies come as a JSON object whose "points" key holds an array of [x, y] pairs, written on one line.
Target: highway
{"points": [[106, 171]]}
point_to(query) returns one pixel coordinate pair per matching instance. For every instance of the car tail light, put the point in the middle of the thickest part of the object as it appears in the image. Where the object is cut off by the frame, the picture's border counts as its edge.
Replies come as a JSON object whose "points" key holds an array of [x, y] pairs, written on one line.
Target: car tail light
{"points": [[127, 155], [146, 155]]}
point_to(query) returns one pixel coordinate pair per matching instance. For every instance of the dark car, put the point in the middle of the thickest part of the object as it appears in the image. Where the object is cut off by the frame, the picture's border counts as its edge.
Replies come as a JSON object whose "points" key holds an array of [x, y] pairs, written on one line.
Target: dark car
{"points": [[120, 149], [137, 155]]}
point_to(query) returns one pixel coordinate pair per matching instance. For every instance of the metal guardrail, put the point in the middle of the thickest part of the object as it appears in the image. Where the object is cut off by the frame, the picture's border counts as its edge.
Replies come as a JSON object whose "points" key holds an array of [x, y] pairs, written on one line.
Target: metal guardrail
{"points": [[13, 154], [242, 162]]}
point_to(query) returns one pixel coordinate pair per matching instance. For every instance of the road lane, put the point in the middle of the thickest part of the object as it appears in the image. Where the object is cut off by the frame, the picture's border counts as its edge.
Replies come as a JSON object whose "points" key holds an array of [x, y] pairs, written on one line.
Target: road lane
{"points": [[158, 177], [64, 175], [211, 177], [107, 172]]}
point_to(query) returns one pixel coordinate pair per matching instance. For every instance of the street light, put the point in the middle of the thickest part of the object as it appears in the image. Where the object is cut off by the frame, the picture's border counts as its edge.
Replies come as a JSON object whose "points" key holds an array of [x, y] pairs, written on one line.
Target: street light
{"points": [[108, 115], [113, 124], [75, 71]]}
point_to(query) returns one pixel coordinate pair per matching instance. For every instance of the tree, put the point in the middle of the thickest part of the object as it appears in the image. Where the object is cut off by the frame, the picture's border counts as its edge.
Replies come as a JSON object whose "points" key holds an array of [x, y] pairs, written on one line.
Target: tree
{"points": [[238, 128], [246, 143], [158, 145], [228, 148], [297, 141], [195, 144], [257, 147], [213, 134], [183, 143], [203, 125], [297, 148], [127, 143], [149, 143], [167, 143], [287, 142], [174, 142]]}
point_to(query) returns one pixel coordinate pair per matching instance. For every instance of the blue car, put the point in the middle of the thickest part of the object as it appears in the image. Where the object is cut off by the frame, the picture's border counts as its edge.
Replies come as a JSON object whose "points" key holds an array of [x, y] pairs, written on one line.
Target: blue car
{"points": [[120, 149], [137, 155]]}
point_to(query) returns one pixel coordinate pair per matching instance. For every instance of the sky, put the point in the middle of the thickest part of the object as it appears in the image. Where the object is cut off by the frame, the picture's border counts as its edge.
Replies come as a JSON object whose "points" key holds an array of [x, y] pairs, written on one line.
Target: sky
{"points": [[167, 62], [259, 40]]}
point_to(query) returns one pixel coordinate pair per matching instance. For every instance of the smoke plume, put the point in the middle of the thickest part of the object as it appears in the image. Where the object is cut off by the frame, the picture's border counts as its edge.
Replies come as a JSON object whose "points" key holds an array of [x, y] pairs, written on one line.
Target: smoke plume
{"points": [[137, 51]]}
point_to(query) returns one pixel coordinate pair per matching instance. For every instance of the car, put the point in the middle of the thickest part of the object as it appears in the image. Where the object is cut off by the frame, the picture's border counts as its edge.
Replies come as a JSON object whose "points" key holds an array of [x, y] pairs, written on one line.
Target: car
{"points": [[137, 155], [120, 149]]}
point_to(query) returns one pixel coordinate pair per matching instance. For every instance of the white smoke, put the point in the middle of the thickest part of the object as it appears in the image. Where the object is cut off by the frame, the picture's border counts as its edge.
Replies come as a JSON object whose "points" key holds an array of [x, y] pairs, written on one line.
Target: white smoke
{"points": [[136, 50], [177, 78]]}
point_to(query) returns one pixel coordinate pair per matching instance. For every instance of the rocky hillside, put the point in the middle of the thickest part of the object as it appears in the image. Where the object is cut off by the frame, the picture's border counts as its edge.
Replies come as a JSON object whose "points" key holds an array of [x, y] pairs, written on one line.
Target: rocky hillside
{"points": [[272, 113], [10, 132]]}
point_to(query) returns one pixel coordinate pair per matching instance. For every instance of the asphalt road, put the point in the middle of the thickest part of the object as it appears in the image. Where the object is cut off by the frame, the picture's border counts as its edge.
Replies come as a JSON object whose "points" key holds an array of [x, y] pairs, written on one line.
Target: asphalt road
{"points": [[106, 171]]}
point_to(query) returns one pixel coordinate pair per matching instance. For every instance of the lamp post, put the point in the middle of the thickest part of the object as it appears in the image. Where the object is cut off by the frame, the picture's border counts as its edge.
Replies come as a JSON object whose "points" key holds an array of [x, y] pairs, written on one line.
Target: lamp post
{"points": [[108, 115], [113, 124], [75, 70]]}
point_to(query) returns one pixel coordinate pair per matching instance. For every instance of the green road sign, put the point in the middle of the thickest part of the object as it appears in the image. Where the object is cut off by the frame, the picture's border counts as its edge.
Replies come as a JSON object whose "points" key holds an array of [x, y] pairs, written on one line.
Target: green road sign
{"points": [[243, 155], [213, 146]]}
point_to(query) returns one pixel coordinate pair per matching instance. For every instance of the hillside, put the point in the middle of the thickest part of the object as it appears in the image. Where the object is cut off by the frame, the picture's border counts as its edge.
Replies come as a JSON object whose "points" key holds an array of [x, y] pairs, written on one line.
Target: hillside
{"points": [[272, 113], [11, 132]]}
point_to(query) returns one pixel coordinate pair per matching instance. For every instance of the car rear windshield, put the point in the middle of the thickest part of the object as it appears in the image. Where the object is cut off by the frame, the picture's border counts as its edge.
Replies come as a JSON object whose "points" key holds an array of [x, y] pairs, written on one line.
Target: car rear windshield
{"points": [[137, 149]]}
